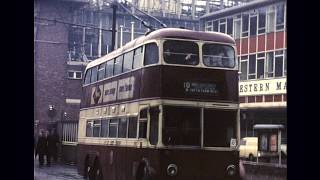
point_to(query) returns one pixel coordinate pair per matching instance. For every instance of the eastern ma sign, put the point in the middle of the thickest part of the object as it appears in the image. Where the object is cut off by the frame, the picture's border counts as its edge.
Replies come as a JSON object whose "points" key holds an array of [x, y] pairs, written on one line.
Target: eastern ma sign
{"points": [[263, 87]]}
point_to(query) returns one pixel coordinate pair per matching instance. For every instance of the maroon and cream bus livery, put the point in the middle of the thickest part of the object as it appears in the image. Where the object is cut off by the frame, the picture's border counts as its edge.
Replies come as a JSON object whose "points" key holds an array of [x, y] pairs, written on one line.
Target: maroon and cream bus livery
{"points": [[164, 106]]}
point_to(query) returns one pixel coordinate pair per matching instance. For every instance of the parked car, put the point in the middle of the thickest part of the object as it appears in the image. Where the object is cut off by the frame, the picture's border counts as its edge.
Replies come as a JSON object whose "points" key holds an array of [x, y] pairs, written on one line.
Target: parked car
{"points": [[249, 148]]}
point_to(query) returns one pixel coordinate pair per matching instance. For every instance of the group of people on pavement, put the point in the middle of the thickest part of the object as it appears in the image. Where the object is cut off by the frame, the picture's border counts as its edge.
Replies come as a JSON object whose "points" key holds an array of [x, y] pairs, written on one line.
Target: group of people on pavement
{"points": [[47, 146]]}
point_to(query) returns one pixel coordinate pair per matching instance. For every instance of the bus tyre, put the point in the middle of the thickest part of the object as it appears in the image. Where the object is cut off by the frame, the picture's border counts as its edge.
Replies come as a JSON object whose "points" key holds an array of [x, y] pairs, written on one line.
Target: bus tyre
{"points": [[97, 171]]}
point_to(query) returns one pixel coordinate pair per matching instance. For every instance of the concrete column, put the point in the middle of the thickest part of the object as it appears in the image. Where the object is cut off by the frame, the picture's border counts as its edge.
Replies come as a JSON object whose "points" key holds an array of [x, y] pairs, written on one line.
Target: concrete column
{"points": [[132, 8], [221, 3], [193, 9], [100, 35], [148, 6], [121, 35], [179, 8], [207, 7], [116, 38], [163, 8], [132, 30]]}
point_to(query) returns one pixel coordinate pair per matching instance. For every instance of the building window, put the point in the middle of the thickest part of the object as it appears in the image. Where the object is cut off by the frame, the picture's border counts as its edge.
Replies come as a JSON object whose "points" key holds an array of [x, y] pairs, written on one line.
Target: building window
{"points": [[278, 64], [74, 74], [285, 63], [271, 19], [244, 68], [269, 64], [245, 25], [209, 26], [260, 65], [222, 26], [252, 66], [262, 21], [253, 25], [230, 26], [280, 17], [237, 28], [215, 25]]}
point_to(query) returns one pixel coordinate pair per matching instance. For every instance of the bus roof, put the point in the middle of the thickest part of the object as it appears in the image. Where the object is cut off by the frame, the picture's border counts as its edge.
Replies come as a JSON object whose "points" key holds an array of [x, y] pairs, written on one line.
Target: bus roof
{"points": [[167, 33]]}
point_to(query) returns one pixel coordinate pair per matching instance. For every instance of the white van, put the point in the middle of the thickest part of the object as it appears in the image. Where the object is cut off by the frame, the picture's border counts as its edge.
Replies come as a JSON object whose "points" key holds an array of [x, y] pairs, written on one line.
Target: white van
{"points": [[249, 148]]}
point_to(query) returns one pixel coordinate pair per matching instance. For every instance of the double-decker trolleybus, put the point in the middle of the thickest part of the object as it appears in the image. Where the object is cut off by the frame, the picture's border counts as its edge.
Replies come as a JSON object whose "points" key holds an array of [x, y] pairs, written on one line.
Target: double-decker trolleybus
{"points": [[163, 106]]}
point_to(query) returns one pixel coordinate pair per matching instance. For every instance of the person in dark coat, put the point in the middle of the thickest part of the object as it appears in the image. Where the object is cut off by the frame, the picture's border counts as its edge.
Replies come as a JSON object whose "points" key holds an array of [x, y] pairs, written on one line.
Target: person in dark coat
{"points": [[41, 148], [53, 140], [48, 153]]}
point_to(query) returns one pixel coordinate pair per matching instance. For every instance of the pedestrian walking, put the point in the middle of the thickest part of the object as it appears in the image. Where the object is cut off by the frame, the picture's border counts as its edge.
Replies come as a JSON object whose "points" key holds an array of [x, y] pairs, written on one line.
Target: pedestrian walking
{"points": [[41, 149], [48, 152], [53, 141]]}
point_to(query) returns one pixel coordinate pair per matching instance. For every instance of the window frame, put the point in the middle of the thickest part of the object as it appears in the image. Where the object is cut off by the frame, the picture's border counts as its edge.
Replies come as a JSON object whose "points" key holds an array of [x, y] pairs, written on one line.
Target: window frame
{"points": [[282, 62], [244, 58], [262, 58], [267, 65], [245, 34], [281, 25], [255, 68], [181, 40], [262, 30], [74, 74]]}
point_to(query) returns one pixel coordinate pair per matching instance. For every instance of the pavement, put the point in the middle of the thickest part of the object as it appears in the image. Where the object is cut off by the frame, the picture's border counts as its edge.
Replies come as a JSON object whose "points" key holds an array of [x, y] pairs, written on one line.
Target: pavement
{"points": [[57, 171]]}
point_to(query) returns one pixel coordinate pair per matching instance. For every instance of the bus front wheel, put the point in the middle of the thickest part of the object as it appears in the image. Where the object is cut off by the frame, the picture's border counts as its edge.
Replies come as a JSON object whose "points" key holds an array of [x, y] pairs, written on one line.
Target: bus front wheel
{"points": [[97, 171], [142, 172]]}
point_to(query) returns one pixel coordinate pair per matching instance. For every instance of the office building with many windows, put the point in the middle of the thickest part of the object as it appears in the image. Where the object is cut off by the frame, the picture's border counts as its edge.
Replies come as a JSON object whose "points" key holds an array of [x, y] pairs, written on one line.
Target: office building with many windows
{"points": [[259, 28]]}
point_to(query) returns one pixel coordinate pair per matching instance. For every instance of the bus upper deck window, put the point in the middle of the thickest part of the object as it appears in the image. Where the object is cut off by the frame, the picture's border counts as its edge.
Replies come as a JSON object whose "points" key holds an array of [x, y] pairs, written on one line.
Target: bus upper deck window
{"points": [[151, 55], [94, 74], [118, 65], [181, 52], [217, 55], [87, 77], [109, 68]]}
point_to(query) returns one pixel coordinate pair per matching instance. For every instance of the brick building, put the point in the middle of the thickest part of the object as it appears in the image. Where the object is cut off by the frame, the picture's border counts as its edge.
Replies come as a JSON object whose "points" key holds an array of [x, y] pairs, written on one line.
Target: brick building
{"points": [[259, 28]]}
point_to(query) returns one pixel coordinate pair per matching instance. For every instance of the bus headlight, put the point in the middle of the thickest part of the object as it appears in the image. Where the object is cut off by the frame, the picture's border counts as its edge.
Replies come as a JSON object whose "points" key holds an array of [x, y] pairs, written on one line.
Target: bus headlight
{"points": [[172, 170], [259, 154], [231, 170]]}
